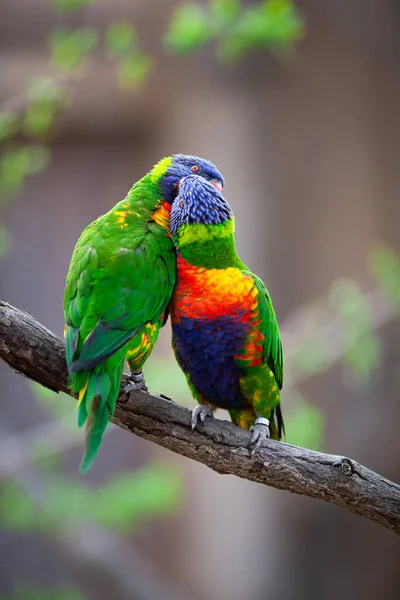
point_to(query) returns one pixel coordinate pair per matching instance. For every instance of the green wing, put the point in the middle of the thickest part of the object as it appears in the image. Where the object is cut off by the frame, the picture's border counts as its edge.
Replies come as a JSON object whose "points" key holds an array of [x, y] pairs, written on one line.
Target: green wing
{"points": [[269, 326], [113, 290]]}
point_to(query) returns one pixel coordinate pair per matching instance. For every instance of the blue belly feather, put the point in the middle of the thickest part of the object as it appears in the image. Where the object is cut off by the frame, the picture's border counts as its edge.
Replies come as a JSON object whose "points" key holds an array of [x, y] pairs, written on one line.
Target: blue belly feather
{"points": [[205, 350]]}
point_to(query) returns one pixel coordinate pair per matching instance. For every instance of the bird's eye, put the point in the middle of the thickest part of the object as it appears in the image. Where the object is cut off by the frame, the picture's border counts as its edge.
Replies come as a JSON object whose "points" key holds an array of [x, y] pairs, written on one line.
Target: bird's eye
{"points": [[181, 203], [195, 169]]}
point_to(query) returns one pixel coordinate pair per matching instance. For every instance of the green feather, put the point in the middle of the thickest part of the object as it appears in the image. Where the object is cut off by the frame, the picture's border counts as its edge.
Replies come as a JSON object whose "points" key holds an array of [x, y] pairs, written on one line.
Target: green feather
{"points": [[98, 405], [269, 326]]}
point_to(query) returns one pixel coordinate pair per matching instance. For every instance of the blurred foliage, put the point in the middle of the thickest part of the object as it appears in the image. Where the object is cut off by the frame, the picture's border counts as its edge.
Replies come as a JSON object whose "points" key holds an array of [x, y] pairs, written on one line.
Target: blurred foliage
{"points": [[121, 504], [125, 501], [385, 266], [8, 125], [121, 39], [34, 592], [19, 512], [133, 69], [364, 347], [69, 48], [236, 28], [16, 164], [304, 424], [122, 43], [354, 328], [71, 5], [23, 136], [46, 99]]}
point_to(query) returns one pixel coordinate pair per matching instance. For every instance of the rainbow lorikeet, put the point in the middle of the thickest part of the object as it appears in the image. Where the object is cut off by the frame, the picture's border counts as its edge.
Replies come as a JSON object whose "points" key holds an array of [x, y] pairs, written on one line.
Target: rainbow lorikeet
{"points": [[225, 334], [119, 283]]}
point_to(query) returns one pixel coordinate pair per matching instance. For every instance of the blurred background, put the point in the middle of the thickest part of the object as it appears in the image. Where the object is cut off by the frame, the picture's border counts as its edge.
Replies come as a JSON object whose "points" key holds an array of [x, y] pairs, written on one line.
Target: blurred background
{"points": [[298, 105]]}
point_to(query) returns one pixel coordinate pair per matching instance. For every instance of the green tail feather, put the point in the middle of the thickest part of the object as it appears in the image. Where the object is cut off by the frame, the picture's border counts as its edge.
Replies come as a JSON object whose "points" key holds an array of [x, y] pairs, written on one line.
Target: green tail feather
{"points": [[95, 428], [277, 428], [97, 405]]}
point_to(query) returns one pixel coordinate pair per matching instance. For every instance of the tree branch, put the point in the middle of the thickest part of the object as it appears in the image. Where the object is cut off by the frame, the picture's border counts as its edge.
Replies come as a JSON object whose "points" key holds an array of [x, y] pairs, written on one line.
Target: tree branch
{"points": [[34, 351]]}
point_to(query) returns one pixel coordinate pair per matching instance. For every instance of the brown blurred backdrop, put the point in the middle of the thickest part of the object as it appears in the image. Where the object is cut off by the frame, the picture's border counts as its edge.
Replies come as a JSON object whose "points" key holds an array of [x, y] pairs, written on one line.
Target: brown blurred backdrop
{"points": [[310, 152]]}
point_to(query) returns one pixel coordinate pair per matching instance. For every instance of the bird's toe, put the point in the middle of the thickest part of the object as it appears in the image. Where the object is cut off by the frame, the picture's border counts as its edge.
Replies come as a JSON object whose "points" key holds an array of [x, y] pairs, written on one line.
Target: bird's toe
{"points": [[260, 432], [137, 382], [199, 414]]}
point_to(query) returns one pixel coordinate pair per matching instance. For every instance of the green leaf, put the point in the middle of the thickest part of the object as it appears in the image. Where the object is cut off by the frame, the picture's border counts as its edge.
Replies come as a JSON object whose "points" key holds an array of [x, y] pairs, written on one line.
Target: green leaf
{"points": [[191, 27], [271, 24], [133, 70], [69, 48], [225, 11], [8, 125], [38, 120], [305, 426], [385, 266], [120, 39], [70, 5]]}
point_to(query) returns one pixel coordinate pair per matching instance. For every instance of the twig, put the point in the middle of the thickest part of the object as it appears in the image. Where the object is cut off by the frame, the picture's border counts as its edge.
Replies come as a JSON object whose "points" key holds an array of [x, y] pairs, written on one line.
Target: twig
{"points": [[31, 349]]}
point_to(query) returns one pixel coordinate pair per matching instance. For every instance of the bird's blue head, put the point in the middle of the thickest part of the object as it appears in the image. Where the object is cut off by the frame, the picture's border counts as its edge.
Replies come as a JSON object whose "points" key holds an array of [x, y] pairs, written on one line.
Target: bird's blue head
{"points": [[184, 165], [198, 202]]}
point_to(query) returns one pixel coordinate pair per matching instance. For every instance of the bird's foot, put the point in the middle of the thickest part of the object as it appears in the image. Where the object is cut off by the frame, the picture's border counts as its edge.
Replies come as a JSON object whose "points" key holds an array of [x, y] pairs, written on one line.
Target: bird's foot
{"points": [[137, 382], [199, 414], [260, 432]]}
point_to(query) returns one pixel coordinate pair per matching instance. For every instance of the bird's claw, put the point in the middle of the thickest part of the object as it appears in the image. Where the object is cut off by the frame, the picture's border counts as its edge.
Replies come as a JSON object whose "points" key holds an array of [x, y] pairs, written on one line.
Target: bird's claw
{"points": [[199, 414], [137, 382], [260, 432]]}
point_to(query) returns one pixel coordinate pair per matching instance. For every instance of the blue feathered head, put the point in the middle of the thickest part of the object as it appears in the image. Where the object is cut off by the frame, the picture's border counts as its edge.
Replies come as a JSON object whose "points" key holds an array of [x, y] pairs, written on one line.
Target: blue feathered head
{"points": [[184, 165], [198, 202]]}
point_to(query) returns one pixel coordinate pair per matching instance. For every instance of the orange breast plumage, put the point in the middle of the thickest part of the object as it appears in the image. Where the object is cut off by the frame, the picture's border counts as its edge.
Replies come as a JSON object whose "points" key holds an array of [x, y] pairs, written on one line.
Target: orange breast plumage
{"points": [[214, 315]]}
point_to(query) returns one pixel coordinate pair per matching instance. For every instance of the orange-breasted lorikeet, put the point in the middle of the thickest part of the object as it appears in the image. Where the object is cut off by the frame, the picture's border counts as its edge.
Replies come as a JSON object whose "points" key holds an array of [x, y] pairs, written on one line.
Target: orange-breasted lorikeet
{"points": [[225, 334]]}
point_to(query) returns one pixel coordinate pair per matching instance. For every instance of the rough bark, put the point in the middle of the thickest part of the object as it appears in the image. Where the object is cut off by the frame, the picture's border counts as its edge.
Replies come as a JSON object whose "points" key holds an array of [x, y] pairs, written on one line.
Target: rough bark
{"points": [[32, 350]]}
